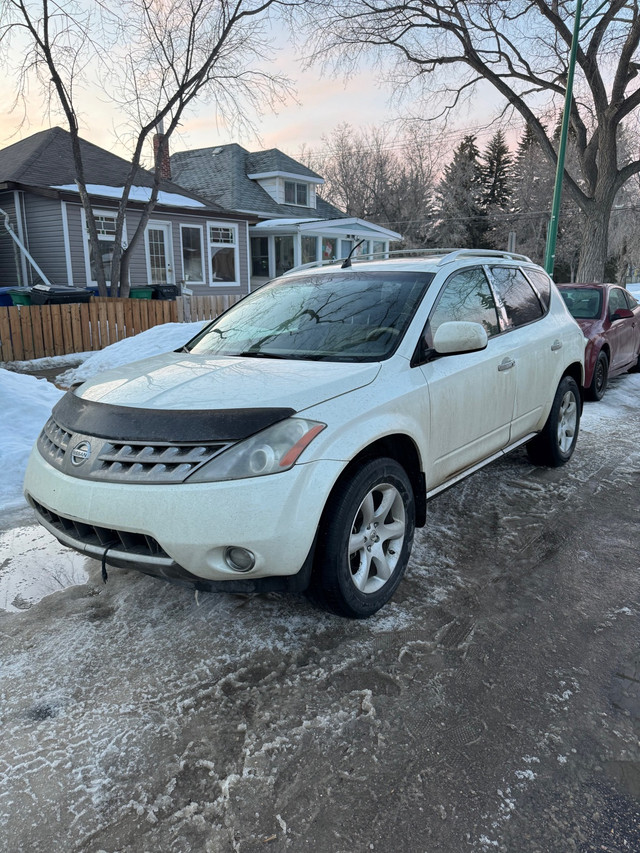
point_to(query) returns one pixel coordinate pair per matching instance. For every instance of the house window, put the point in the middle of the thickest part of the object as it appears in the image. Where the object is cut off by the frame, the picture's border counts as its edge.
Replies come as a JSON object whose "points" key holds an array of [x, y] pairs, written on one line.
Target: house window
{"points": [[295, 193], [223, 253], [106, 228], [192, 255], [309, 249], [378, 247]]}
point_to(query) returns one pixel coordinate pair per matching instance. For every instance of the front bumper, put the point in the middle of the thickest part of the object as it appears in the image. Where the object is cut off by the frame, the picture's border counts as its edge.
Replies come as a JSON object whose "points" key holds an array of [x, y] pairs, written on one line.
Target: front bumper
{"points": [[178, 528]]}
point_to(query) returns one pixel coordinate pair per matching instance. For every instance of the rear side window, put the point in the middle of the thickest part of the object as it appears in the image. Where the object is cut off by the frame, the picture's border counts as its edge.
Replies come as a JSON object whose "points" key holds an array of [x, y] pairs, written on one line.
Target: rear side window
{"points": [[616, 300], [466, 296], [542, 284], [518, 297]]}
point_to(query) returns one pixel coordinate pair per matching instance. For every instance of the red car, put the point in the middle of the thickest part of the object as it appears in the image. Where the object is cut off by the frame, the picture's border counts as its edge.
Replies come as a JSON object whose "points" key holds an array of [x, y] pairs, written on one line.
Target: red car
{"points": [[609, 317]]}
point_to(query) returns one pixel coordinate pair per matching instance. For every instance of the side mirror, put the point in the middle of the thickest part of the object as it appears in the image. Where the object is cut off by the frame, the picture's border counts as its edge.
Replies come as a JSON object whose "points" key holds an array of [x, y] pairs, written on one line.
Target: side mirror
{"points": [[457, 337], [623, 314]]}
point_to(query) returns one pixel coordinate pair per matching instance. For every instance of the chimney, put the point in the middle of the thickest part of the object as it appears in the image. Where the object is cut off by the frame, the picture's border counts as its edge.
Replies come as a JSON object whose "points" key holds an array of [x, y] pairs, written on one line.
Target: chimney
{"points": [[165, 165]]}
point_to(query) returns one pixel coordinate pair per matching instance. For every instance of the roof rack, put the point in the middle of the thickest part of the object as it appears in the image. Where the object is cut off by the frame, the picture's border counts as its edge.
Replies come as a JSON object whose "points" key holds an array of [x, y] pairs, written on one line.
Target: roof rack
{"points": [[447, 256]]}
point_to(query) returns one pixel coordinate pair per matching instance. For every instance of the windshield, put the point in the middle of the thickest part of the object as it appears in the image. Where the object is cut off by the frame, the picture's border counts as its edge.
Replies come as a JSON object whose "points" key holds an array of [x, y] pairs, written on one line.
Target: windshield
{"points": [[339, 316], [584, 303]]}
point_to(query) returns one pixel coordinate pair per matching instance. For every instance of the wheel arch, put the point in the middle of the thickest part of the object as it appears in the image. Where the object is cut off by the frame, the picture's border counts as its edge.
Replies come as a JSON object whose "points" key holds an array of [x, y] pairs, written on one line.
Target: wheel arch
{"points": [[403, 450], [576, 372]]}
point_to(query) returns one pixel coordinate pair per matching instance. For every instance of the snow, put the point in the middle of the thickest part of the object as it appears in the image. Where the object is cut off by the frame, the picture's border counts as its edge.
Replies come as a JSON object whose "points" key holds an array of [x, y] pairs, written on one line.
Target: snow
{"points": [[135, 194], [26, 404], [27, 401]]}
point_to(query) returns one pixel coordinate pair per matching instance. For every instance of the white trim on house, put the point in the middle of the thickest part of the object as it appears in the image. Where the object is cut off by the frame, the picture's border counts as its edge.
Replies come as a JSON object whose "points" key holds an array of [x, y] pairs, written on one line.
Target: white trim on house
{"points": [[66, 242], [296, 176], [351, 228]]}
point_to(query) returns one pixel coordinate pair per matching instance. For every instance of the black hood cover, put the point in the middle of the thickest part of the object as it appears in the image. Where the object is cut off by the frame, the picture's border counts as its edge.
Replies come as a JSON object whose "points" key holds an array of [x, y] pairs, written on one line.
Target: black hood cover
{"points": [[127, 423]]}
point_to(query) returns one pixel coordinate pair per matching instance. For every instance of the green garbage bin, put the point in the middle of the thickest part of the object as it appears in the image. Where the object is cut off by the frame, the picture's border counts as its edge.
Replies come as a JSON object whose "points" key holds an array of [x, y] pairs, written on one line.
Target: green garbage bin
{"points": [[141, 292], [21, 296]]}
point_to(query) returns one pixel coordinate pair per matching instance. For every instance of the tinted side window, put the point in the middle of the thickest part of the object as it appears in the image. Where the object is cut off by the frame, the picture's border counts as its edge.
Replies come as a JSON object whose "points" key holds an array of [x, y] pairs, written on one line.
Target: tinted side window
{"points": [[616, 300], [633, 302], [519, 299], [542, 284], [467, 296]]}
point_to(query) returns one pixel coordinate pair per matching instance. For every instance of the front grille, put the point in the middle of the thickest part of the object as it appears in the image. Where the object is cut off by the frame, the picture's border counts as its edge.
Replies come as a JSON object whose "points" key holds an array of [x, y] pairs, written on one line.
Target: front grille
{"points": [[123, 461], [53, 442], [80, 535]]}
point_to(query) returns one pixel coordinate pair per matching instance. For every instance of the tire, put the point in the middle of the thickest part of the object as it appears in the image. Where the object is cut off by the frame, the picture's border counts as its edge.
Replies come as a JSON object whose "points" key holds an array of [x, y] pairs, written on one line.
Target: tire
{"points": [[555, 444], [600, 378], [365, 540]]}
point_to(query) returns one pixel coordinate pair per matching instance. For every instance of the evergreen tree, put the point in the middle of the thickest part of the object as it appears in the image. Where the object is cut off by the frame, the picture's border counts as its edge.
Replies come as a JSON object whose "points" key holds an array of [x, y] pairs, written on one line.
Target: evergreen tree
{"points": [[496, 171], [460, 221], [496, 174]]}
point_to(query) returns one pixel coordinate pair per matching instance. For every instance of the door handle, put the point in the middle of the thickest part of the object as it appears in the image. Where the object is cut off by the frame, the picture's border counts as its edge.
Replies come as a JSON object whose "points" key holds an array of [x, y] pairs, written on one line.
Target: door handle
{"points": [[506, 364], [556, 345]]}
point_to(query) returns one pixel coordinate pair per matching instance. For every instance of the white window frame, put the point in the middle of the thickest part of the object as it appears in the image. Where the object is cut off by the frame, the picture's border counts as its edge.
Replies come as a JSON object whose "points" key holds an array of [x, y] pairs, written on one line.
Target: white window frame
{"points": [[87, 256], [296, 184], [203, 279], [236, 247]]}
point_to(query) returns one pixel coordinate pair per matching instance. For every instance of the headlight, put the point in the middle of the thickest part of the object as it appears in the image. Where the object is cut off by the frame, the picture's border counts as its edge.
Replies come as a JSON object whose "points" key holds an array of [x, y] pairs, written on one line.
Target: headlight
{"points": [[274, 449]]}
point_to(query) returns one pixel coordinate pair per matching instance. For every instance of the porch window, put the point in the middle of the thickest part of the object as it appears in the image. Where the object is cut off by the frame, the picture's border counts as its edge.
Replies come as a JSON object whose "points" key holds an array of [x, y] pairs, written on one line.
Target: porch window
{"points": [[284, 254], [328, 249], [192, 254], [377, 246], [295, 193], [260, 257], [223, 253], [309, 249]]}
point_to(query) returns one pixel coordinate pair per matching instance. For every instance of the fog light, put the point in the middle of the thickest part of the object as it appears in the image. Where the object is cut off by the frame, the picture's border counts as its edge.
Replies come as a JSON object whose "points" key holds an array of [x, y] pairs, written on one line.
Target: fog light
{"points": [[239, 559]]}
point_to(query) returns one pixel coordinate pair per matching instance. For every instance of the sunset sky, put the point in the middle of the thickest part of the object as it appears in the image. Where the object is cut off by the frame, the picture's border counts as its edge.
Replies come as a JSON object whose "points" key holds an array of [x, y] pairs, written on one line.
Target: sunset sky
{"points": [[322, 103]]}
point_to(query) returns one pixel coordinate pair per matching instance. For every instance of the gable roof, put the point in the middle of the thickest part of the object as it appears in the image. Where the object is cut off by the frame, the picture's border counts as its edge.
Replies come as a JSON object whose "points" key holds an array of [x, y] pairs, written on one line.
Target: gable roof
{"points": [[45, 160], [220, 173]]}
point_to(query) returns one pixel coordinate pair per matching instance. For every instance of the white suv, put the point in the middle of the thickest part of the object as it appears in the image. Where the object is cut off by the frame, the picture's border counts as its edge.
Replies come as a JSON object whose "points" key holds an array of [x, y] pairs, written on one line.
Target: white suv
{"points": [[294, 442]]}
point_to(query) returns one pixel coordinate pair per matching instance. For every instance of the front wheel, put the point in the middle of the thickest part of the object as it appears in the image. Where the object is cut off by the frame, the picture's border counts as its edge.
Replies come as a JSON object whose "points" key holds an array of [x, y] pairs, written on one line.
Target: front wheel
{"points": [[555, 444], [365, 540]]}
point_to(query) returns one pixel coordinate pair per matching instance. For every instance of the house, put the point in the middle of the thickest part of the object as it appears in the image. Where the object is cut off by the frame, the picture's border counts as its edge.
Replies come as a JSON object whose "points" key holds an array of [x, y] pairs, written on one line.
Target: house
{"points": [[295, 225], [189, 240]]}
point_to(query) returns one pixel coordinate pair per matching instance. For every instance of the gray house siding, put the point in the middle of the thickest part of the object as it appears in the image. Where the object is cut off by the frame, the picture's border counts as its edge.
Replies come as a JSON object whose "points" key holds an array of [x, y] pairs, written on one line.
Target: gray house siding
{"points": [[44, 226], [8, 272], [64, 259], [76, 245]]}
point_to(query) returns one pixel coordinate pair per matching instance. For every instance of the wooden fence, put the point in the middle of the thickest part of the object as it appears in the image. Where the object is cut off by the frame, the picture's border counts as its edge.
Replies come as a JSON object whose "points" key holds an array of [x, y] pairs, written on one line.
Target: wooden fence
{"points": [[37, 331]]}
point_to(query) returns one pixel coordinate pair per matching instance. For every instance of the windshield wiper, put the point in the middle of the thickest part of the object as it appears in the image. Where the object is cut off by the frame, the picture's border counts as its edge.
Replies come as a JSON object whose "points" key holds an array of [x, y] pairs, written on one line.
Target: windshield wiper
{"points": [[252, 353]]}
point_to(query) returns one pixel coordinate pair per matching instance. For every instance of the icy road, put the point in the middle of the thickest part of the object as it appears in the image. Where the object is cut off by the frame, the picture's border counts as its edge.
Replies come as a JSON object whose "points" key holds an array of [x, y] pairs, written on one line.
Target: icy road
{"points": [[493, 706]]}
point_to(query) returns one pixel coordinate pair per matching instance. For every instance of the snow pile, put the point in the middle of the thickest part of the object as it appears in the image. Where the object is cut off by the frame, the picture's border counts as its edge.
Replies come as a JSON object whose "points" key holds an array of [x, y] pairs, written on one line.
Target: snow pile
{"points": [[26, 405], [159, 339], [27, 401]]}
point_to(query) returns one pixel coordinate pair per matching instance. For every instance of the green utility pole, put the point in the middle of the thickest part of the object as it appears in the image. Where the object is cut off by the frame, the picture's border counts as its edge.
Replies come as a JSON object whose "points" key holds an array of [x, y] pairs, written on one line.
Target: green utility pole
{"points": [[552, 234]]}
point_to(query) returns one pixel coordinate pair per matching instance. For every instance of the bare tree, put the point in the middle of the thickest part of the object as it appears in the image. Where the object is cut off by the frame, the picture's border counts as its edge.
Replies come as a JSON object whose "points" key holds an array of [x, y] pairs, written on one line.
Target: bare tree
{"points": [[520, 47], [155, 58], [382, 176]]}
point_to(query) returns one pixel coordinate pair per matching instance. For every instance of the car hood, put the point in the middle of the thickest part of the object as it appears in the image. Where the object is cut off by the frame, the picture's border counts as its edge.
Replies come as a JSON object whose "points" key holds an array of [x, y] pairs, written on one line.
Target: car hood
{"points": [[188, 381], [590, 328]]}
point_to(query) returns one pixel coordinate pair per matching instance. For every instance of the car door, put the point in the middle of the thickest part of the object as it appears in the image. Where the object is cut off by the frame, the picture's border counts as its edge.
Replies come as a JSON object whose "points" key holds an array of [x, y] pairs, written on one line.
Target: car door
{"points": [[470, 395], [622, 333], [534, 336]]}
